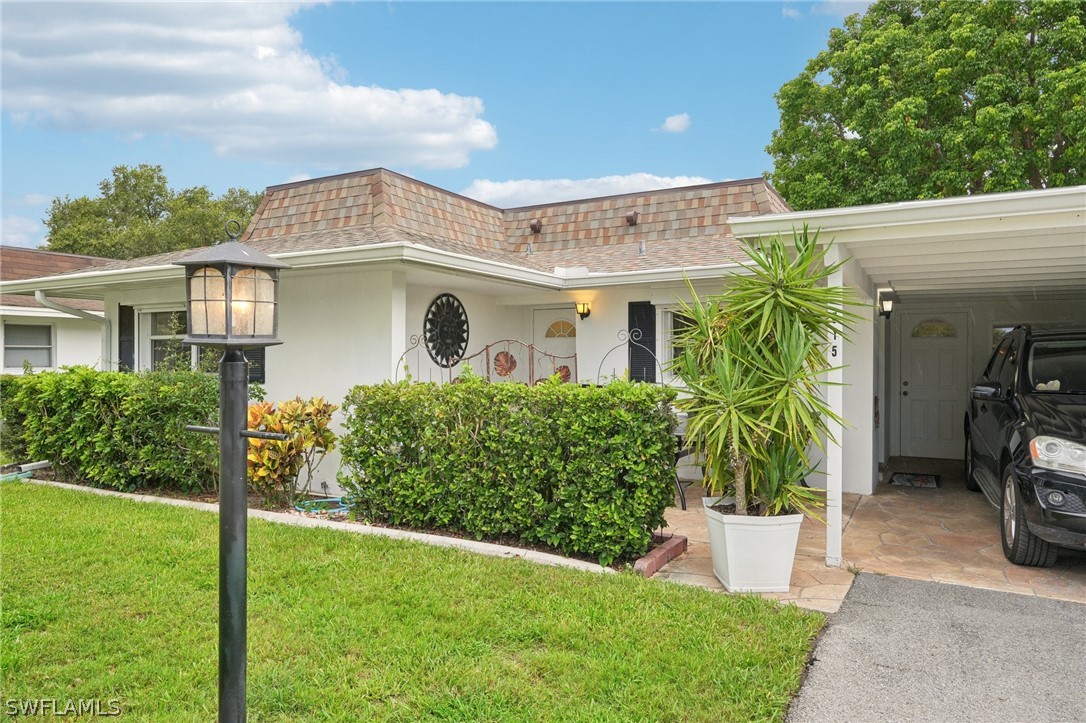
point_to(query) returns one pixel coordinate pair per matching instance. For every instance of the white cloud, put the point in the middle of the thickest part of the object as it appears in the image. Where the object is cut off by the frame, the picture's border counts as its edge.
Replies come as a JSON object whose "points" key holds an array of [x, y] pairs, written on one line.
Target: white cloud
{"points": [[790, 12], [840, 8], [34, 199], [233, 75], [528, 192], [22, 231], [675, 123]]}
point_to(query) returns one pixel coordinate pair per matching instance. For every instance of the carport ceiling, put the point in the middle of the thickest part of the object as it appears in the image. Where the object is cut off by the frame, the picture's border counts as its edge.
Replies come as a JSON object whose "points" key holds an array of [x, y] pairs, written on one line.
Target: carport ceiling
{"points": [[1020, 243]]}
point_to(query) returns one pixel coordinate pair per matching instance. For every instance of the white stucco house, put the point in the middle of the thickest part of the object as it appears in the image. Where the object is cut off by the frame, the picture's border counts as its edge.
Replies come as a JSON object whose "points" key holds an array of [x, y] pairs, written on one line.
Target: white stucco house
{"points": [[370, 253], [60, 332]]}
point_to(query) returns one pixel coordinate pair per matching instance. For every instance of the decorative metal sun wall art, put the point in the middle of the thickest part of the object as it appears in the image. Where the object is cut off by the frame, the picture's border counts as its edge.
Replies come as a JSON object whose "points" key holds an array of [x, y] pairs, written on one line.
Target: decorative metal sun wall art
{"points": [[446, 330]]}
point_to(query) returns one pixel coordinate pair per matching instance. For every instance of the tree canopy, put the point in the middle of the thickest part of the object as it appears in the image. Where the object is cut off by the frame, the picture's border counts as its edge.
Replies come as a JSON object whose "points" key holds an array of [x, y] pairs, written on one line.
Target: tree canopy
{"points": [[927, 99], [138, 214]]}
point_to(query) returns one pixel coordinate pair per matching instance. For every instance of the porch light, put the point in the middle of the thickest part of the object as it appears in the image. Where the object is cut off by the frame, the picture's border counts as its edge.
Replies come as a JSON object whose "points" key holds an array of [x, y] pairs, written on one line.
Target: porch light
{"points": [[583, 310], [887, 297], [232, 295]]}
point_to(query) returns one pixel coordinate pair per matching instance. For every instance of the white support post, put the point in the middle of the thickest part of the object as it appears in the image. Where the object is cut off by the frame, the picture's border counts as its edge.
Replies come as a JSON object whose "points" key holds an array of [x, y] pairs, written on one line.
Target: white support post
{"points": [[835, 397]]}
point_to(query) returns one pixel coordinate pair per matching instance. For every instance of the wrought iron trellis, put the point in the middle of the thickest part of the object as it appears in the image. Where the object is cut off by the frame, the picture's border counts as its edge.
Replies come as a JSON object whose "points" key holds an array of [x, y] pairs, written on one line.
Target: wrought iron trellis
{"points": [[502, 360]]}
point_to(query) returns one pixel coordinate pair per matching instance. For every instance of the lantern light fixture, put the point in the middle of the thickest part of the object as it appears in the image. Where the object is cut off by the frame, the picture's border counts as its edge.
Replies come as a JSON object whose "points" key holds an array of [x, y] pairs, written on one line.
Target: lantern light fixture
{"points": [[584, 310], [232, 295], [887, 297]]}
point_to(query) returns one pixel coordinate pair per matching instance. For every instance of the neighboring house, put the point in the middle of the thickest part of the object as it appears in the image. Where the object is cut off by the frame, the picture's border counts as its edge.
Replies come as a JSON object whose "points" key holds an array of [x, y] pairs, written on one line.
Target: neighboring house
{"points": [[47, 338], [371, 251]]}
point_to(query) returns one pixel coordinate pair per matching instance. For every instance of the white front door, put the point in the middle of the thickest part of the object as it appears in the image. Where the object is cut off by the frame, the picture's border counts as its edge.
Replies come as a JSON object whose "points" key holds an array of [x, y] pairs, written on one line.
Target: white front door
{"points": [[554, 332], [933, 383]]}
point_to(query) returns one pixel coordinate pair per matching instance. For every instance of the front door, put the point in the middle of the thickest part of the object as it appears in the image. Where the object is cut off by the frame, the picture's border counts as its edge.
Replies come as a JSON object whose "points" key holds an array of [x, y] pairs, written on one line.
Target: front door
{"points": [[554, 333], [933, 384]]}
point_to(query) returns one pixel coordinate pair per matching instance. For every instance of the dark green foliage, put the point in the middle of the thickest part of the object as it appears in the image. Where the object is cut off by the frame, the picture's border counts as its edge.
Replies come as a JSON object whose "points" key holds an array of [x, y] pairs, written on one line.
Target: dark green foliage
{"points": [[928, 99], [113, 429], [138, 214], [586, 470]]}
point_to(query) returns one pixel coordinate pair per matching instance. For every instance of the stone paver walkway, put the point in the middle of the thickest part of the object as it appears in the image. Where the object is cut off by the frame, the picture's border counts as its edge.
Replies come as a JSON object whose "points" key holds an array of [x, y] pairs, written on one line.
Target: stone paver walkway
{"points": [[947, 535]]}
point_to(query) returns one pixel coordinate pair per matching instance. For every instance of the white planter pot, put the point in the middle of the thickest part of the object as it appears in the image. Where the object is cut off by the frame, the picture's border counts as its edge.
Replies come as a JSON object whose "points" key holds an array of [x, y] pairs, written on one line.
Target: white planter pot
{"points": [[752, 554]]}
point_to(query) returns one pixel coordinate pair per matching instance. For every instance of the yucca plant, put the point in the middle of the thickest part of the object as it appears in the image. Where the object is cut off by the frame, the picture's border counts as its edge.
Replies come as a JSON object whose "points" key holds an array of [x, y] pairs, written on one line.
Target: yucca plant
{"points": [[753, 361]]}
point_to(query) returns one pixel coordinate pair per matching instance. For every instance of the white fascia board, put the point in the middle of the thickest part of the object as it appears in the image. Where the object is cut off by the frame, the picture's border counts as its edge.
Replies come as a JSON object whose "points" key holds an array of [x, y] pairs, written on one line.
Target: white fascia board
{"points": [[83, 279], [653, 276], [422, 256], [13, 312], [395, 252], [374, 253], [1043, 202]]}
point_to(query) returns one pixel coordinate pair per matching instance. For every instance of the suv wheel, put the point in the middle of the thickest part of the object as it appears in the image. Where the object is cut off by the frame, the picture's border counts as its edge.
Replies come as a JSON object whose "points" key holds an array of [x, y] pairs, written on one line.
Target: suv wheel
{"points": [[1020, 545], [970, 483]]}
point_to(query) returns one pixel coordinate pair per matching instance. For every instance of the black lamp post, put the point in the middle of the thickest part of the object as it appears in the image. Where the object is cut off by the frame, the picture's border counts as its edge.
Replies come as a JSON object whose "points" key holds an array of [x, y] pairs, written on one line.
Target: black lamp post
{"points": [[232, 295]]}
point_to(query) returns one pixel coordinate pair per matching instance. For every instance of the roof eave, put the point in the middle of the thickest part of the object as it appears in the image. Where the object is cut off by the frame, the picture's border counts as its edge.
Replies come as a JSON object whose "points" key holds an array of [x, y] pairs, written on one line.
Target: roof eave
{"points": [[979, 207]]}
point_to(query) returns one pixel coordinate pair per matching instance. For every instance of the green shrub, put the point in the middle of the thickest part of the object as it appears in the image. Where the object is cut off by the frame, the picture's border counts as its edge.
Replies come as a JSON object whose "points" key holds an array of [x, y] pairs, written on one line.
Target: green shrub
{"points": [[586, 470], [114, 429]]}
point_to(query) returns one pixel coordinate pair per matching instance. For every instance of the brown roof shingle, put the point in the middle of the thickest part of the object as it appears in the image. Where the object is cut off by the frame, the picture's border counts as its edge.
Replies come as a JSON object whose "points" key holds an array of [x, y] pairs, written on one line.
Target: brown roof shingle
{"points": [[677, 227], [20, 263]]}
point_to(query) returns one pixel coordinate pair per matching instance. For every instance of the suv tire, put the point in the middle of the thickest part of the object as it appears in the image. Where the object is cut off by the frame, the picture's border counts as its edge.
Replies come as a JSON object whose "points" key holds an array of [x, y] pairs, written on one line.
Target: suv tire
{"points": [[1020, 545]]}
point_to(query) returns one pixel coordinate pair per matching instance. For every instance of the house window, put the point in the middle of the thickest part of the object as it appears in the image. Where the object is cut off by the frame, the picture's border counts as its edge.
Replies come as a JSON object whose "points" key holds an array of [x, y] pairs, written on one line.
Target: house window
{"points": [[161, 335], [166, 330], [561, 329], [28, 344], [934, 329]]}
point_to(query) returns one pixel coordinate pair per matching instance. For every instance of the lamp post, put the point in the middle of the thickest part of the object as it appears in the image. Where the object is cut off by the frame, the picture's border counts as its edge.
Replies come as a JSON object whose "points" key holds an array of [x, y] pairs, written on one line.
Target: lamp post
{"points": [[232, 297]]}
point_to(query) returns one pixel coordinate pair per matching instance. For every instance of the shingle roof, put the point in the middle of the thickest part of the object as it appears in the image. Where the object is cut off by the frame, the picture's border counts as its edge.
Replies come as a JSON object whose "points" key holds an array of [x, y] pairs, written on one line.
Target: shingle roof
{"points": [[675, 228], [20, 263]]}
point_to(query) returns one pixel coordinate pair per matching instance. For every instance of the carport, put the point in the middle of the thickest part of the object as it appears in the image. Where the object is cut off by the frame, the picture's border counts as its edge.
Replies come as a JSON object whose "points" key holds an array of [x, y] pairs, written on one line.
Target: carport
{"points": [[961, 269]]}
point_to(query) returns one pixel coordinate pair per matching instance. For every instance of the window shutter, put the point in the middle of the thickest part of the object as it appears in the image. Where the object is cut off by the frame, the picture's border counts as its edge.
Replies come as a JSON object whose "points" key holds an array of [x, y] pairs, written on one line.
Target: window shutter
{"points": [[642, 352], [126, 338], [256, 364]]}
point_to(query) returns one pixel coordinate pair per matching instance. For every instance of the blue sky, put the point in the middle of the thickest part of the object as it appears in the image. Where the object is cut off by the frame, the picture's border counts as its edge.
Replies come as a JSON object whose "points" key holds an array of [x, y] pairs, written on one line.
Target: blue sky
{"points": [[512, 103]]}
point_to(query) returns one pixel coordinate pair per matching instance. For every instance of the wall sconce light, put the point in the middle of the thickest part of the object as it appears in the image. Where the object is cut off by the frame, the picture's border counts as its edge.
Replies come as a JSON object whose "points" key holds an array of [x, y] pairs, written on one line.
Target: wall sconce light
{"points": [[584, 310], [887, 297]]}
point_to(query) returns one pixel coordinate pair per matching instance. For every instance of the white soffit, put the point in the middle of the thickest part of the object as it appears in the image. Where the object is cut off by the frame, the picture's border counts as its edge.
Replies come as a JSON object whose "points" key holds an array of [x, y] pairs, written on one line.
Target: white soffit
{"points": [[1024, 242]]}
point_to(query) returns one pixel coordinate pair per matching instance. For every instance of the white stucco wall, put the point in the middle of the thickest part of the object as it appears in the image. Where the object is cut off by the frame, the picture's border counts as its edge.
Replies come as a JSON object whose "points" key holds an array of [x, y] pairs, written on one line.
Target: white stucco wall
{"points": [[75, 341]]}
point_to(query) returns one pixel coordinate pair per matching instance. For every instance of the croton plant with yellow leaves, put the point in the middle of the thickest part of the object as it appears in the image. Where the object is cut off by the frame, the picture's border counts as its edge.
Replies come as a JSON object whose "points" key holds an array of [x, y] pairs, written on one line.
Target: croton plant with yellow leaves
{"points": [[275, 465]]}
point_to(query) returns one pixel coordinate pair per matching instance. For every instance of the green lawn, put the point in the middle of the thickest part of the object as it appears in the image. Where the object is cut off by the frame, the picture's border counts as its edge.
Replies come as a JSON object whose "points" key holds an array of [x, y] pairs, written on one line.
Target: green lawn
{"points": [[105, 598]]}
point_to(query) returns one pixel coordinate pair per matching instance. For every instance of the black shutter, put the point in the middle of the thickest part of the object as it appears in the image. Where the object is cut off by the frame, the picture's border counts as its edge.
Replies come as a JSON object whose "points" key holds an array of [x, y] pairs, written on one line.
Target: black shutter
{"points": [[256, 364], [126, 338], [642, 350]]}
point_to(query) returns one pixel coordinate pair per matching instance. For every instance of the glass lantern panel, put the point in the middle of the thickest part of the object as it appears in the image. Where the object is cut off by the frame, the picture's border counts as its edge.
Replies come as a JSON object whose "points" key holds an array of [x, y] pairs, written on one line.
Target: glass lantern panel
{"points": [[253, 303], [207, 301]]}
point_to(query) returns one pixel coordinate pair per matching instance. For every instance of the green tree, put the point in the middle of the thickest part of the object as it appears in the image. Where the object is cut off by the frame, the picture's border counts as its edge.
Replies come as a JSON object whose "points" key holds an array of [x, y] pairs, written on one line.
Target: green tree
{"points": [[137, 214], [928, 99]]}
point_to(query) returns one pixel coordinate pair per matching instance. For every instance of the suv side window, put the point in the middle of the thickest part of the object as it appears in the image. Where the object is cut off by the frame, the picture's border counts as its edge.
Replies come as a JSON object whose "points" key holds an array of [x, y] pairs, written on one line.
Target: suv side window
{"points": [[995, 364], [1009, 370]]}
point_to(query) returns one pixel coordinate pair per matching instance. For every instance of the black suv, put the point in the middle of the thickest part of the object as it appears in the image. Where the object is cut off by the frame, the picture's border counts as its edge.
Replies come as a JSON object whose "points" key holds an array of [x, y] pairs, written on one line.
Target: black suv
{"points": [[1025, 441]]}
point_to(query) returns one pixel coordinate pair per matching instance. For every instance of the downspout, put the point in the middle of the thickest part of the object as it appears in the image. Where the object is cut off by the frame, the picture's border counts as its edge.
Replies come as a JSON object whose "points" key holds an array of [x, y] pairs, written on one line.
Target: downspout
{"points": [[107, 328]]}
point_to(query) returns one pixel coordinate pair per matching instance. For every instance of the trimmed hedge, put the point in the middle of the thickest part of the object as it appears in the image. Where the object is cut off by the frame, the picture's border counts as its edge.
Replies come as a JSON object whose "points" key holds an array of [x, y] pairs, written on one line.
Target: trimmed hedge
{"points": [[586, 470], [115, 429]]}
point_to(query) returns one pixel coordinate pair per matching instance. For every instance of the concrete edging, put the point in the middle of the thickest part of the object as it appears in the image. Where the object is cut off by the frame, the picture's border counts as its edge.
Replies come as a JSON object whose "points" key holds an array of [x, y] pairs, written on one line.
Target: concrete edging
{"points": [[301, 520]]}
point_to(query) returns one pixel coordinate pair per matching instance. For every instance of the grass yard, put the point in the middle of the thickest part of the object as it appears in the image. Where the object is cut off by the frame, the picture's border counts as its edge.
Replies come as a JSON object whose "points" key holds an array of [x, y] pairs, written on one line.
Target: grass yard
{"points": [[105, 598]]}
